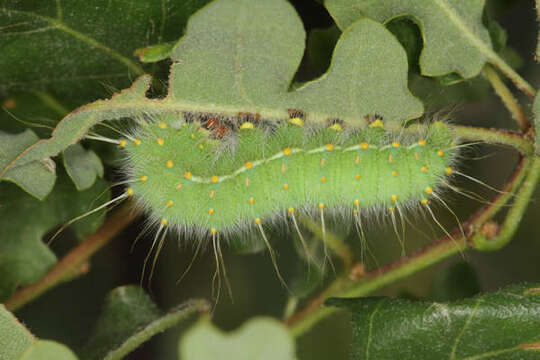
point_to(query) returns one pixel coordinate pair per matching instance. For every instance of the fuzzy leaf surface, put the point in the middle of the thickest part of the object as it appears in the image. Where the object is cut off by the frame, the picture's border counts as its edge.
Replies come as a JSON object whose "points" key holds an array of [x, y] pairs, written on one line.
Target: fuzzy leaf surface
{"points": [[36, 177], [83, 166], [24, 220], [258, 339], [499, 325], [97, 49], [439, 20], [226, 64], [17, 343], [130, 318]]}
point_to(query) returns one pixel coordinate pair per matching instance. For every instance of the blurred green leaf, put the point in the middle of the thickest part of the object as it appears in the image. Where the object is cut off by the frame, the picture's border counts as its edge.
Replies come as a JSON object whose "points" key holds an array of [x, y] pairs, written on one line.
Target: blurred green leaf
{"points": [[258, 339], [17, 343], [83, 166], [439, 21], [71, 47], [130, 318], [536, 111], [36, 177], [24, 257], [455, 282], [499, 325]]}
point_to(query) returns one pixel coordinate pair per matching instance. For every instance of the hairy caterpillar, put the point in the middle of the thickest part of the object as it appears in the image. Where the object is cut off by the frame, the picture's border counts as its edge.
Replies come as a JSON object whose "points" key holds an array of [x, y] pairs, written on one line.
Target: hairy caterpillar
{"points": [[187, 178]]}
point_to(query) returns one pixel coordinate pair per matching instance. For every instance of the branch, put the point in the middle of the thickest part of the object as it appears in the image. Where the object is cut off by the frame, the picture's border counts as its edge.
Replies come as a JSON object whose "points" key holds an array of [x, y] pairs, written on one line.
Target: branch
{"points": [[70, 264]]}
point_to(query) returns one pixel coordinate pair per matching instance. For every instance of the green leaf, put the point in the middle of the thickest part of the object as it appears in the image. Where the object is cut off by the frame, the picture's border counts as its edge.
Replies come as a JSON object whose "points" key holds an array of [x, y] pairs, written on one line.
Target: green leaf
{"points": [[258, 339], [36, 177], [439, 20], [17, 343], [71, 47], [240, 56], [499, 325], [83, 166], [130, 318], [24, 257]]}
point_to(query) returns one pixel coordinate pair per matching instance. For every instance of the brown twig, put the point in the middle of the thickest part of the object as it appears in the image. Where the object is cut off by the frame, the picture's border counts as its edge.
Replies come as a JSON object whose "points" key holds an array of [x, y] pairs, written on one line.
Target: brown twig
{"points": [[72, 261]]}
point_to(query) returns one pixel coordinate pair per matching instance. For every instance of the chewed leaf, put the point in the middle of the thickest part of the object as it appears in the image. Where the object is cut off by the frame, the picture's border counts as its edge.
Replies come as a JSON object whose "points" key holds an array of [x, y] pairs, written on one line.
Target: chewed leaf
{"points": [[498, 325], [258, 339], [83, 166], [250, 71], [36, 177], [24, 257], [439, 20], [17, 343]]}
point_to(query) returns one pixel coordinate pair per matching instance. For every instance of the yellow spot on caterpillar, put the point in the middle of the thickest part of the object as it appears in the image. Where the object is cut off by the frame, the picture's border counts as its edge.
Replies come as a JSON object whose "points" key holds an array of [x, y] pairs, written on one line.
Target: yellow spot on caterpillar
{"points": [[448, 171], [144, 178], [424, 168], [416, 156], [249, 165], [192, 135], [160, 142], [210, 211], [296, 121], [283, 168], [137, 142], [286, 186], [169, 164], [212, 193], [321, 206], [214, 179], [424, 202], [129, 191], [355, 212], [356, 202], [329, 147], [257, 220], [247, 125], [336, 127], [247, 181], [287, 151], [377, 123], [164, 222], [357, 176], [356, 159], [323, 179], [290, 210], [429, 190], [213, 230], [422, 142], [162, 125], [170, 203], [391, 209], [390, 158], [394, 173], [187, 175], [394, 198], [440, 153], [122, 143], [251, 200], [322, 162], [396, 144], [364, 145], [179, 186], [201, 146]]}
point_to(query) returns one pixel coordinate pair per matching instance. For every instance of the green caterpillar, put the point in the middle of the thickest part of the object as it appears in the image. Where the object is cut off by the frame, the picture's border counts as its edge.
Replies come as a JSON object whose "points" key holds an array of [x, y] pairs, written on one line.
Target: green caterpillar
{"points": [[187, 178]]}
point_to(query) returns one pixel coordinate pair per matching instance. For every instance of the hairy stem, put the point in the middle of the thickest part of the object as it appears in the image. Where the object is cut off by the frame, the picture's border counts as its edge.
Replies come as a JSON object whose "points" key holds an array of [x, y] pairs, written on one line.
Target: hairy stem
{"points": [[73, 260], [507, 98]]}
